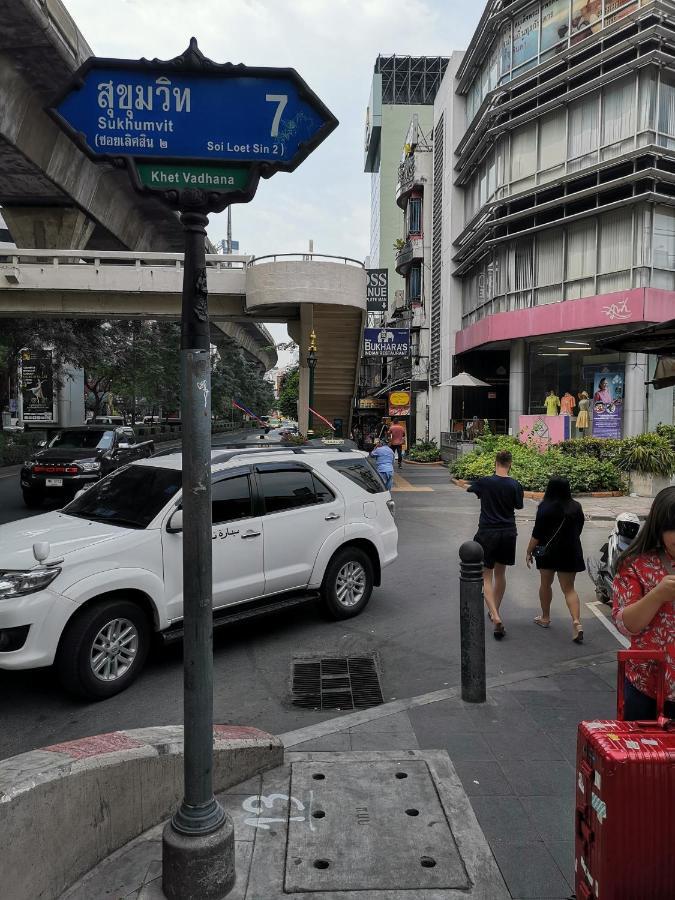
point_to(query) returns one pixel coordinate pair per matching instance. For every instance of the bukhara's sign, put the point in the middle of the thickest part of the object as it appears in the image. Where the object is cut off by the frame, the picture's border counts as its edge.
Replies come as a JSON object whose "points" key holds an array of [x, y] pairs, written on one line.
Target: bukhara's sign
{"points": [[386, 342]]}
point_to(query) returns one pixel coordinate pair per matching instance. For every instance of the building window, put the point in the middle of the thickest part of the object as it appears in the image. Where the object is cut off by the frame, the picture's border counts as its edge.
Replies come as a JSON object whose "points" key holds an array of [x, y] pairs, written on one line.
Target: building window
{"points": [[580, 260], [583, 132], [414, 284], [618, 117], [415, 215], [615, 251], [667, 109]]}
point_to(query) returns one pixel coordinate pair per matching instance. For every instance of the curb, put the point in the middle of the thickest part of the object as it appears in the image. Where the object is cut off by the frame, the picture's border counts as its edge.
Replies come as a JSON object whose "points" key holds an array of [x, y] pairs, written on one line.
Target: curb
{"points": [[412, 462], [65, 808], [539, 495]]}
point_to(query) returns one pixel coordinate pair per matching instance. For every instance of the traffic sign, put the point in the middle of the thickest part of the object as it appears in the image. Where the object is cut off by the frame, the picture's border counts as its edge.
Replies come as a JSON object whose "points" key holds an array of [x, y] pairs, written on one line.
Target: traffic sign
{"points": [[193, 109]]}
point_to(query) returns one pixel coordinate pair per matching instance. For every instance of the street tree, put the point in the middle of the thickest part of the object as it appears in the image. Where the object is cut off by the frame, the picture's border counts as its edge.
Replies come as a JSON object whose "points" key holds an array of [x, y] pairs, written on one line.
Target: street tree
{"points": [[288, 395]]}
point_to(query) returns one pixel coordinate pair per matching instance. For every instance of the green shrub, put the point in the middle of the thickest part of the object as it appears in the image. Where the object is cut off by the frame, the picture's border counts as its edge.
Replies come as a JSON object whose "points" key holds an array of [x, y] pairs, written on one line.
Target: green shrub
{"points": [[649, 453], [14, 447], [667, 431], [424, 451], [604, 449], [533, 469]]}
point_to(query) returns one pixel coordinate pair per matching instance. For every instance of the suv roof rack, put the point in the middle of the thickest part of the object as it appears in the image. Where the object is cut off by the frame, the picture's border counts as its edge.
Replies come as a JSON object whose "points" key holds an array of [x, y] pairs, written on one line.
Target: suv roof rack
{"points": [[240, 449]]}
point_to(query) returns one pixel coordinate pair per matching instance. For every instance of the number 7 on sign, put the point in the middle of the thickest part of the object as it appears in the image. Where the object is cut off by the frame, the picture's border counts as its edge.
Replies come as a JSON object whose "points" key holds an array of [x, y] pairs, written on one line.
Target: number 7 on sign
{"points": [[281, 100]]}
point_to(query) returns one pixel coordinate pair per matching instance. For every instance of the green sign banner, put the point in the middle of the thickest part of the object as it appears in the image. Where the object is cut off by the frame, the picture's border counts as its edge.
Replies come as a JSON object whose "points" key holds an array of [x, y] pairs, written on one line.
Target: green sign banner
{"points": [[166, 177]]}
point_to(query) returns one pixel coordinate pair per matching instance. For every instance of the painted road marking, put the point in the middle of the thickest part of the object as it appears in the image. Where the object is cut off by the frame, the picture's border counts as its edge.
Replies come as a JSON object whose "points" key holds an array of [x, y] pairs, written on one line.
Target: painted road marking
{"points": [[595, 608], [402, 484]]}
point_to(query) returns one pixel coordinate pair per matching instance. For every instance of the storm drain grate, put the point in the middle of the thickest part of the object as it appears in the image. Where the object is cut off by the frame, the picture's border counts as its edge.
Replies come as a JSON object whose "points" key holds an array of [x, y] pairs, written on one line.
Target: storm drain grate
{"points": [[346, 682]]}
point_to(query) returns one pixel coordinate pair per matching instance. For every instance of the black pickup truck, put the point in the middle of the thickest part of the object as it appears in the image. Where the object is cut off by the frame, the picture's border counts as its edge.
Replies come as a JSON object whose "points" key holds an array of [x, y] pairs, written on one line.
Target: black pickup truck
{"points": [[75, 457]]}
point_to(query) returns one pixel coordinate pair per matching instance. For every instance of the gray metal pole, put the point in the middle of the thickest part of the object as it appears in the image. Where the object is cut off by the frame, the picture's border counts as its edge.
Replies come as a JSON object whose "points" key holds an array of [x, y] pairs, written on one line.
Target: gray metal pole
{"points": [[472, 622], [198, 843]]}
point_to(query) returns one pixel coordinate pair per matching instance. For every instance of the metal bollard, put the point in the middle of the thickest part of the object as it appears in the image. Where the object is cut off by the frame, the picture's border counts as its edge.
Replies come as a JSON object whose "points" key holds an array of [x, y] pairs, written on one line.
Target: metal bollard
{"points": [[472, 622]]}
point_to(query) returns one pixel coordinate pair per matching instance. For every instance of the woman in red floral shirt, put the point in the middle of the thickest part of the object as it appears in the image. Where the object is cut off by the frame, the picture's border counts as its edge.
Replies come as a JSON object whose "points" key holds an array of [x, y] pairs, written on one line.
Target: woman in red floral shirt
{"points": [[644, 606]]}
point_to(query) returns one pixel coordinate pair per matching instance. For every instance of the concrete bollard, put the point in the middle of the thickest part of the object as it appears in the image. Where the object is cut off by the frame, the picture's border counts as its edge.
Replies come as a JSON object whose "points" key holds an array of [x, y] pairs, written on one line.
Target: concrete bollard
{"points": [[472, 622]]}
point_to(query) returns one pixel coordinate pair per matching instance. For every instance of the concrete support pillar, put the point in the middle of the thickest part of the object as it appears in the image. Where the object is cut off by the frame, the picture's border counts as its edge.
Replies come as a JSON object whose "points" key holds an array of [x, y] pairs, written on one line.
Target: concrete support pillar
{"points": [[635, 394], [48, 228], [516, 384], [300, 332]]}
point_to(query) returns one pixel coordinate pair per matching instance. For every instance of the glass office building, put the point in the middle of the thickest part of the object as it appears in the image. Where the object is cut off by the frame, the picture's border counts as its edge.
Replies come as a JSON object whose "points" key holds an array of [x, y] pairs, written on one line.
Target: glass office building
{"points": [[565, 172]]}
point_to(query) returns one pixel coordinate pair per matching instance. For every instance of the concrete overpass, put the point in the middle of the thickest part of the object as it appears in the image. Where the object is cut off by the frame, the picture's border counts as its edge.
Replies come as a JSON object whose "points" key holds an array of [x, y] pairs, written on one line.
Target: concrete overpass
{"points": [[52, 195], [306, 291]]}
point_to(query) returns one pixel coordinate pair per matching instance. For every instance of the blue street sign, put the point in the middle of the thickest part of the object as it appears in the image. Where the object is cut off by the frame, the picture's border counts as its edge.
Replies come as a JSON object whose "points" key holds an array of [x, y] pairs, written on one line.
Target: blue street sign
{"points": [[386, 342], [196, 110]]}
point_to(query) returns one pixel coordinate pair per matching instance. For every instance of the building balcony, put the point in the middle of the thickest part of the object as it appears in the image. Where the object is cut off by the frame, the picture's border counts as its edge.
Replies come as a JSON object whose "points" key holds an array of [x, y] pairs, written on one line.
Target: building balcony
{"points": [[410, 176], [412, 251]]}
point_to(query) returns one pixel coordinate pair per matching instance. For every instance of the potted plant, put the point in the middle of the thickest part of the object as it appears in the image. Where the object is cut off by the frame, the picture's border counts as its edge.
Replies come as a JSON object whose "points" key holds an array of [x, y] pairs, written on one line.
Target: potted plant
{"points": [[650, 461]]}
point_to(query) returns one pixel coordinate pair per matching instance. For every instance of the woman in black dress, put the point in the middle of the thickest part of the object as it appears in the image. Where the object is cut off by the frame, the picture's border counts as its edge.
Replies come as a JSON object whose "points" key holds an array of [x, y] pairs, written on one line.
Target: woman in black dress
{"points": [[557, 534]]}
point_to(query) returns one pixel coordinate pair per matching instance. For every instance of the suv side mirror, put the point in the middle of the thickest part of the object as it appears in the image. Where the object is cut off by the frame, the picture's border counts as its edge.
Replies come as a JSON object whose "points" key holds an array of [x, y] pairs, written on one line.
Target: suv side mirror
{"points": [[175, 523]]}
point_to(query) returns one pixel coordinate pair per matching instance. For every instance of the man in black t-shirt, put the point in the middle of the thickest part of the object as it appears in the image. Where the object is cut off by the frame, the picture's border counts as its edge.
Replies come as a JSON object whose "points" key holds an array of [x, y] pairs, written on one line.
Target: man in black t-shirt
{"points": [[500, 496]]}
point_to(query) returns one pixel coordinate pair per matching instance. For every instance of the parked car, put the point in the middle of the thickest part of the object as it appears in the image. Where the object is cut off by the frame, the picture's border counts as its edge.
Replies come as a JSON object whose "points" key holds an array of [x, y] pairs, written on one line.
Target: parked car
{"points": [[76, 457], [117, 421], [288, 526]]}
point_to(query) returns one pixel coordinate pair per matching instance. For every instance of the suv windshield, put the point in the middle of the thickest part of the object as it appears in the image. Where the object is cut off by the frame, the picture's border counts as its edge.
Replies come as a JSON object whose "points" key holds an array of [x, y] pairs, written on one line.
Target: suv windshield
{"points": [[130, 497], [83, 440]]}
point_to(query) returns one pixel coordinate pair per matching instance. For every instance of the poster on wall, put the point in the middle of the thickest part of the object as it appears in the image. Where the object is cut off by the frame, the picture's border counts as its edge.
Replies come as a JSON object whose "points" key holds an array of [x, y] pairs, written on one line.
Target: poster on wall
{"points": [[505, 54], [37, 386], [608, 404], [555, 25], [586, 19], [526, 36], [617, 9], [399, 403]]}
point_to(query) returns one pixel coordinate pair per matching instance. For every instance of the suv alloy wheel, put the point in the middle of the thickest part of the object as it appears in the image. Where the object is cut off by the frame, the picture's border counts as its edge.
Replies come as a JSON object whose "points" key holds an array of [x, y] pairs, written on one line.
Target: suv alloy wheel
{"points": [[103, 649], [348, 583]]}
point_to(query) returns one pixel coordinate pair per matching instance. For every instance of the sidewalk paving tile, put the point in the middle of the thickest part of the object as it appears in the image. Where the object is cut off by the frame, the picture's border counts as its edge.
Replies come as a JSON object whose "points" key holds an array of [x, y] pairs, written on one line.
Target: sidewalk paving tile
{"points": [[584, 680], [559, 717], [526, 743], [505, 819], [565, 739], [553, 817], [468, 745], [384, 741], [530, 871], [556, 780], [328, 742], [483, 779], [563, 853], [397, 723]]}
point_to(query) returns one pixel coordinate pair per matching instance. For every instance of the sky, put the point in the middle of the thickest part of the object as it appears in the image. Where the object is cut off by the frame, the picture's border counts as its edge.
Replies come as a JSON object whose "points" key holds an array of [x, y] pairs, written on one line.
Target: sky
{"points": [[333, 44]]}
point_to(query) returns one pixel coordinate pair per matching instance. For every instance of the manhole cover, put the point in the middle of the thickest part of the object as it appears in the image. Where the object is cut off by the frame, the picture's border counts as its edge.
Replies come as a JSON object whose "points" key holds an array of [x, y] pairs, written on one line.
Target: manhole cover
{"points": [[343, 682], [369, 826]]}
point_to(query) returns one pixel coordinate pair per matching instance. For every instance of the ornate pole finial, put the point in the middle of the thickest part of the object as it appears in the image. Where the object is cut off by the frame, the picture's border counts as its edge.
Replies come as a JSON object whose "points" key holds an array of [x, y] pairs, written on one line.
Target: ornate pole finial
{"points": [[312, 341]]}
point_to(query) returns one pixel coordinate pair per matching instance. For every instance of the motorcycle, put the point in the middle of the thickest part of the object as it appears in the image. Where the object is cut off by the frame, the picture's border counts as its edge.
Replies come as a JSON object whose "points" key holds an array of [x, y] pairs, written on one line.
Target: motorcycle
{"points": [[603, 569]]}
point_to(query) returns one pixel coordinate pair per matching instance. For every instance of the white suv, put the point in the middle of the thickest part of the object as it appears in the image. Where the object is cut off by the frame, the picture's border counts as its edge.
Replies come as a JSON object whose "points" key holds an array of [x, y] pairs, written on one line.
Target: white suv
{"points": [[288, 524]]}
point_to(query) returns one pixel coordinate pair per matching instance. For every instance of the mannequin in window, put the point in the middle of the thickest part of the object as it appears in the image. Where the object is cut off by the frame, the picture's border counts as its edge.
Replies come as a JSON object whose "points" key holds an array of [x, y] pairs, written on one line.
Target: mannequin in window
{"points": [[567, 404], [552, 403], [583, 419]]}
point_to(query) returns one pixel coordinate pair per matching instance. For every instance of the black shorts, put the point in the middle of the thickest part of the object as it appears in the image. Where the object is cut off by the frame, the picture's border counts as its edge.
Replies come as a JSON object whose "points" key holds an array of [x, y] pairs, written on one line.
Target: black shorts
{"points": [[499, 546]]}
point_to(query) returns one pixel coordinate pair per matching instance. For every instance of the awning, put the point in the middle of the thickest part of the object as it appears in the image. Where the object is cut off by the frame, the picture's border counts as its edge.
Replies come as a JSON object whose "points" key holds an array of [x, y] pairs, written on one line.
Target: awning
{"points": [[658, 338]]}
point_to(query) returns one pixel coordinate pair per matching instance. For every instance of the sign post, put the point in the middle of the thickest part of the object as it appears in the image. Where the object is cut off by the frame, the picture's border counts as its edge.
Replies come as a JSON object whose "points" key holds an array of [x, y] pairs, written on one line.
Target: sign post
{"points": [[199, 135]]}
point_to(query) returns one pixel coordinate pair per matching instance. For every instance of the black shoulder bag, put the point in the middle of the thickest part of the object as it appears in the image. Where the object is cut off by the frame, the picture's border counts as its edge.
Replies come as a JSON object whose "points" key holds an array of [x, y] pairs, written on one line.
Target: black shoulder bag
{"points": [[540, 551]]}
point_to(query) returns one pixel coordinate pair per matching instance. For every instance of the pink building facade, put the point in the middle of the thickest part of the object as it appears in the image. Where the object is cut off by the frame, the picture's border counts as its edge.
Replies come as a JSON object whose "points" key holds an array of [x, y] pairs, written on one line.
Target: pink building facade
{"points": [[562, 186]]}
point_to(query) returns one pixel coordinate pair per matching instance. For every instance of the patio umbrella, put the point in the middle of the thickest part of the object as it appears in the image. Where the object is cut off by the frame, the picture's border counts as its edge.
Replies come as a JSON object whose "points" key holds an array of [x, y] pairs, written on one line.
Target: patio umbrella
{"points": [[464, 380]]}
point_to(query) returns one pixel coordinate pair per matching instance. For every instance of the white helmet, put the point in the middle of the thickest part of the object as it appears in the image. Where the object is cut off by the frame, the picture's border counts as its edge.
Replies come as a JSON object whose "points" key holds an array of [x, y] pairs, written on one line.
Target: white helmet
{"points": [[628, 525]]}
